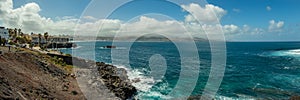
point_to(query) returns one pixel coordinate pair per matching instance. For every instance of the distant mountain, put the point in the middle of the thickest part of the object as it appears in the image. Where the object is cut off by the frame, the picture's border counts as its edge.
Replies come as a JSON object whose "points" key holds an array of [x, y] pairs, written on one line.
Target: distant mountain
{"points": [[143, 38], [148, 38]]}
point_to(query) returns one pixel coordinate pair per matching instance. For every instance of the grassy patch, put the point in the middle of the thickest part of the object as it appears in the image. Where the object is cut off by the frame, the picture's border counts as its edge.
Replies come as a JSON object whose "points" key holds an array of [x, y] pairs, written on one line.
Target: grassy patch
{"points": [[60, 63]]}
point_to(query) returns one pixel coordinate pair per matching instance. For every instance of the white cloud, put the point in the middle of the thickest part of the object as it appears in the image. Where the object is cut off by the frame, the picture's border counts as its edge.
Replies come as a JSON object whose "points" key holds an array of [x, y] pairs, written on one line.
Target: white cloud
{"points": [[246, 28], [236, 10], [28, 18], [90, 18], [5, 6], [268, 8], [207, 15], [231, 29], [253, 31], [108, 27], [257, 31], [275, 26], [176, 28], [151, 25]]}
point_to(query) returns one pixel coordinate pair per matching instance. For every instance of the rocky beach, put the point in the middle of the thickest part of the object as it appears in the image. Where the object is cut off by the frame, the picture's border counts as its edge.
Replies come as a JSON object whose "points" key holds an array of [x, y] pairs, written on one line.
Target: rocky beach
{"points": [[27, 74]]}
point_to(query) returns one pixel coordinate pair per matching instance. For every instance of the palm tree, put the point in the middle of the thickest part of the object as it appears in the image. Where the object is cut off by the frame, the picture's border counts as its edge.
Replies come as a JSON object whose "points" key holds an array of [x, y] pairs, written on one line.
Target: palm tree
{"points": [[10, 32], [46, 35], [4, 41], [22, 34], [15, 34], [31, 45], [40, 37], [1, 40], [19, 33]]}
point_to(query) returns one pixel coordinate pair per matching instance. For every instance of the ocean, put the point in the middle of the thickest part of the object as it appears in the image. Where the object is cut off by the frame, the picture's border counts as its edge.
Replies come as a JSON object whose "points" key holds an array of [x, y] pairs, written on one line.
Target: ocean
{"points": [[254, 70]]}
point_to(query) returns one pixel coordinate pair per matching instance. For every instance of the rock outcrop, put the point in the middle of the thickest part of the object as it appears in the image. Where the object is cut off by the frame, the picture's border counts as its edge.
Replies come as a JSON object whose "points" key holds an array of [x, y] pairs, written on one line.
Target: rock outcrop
{"points": [[116, 80]]}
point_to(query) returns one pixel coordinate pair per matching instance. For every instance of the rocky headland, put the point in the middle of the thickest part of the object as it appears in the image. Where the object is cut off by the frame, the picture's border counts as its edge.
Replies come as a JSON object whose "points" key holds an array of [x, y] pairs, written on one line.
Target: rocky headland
{"points": [[26, 74]]}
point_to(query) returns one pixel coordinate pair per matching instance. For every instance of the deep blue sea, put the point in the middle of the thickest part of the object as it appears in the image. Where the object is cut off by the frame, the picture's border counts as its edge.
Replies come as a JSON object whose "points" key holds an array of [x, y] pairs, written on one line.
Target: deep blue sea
{"points": [[268, 70]]}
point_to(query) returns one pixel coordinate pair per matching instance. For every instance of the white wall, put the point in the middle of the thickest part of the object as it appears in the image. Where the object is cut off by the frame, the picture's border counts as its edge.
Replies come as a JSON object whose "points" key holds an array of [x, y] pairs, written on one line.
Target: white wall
{"points": [[36, 40], [4, 33]]}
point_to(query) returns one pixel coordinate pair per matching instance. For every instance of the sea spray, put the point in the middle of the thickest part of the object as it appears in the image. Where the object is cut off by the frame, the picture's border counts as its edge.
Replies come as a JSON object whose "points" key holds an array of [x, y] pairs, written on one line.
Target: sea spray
{"points": [[146, 85]]}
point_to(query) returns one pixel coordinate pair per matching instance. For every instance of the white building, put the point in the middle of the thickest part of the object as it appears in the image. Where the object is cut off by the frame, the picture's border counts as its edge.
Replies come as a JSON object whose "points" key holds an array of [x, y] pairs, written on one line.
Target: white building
{"points": [[4, 33], [51, 39], [57, 39], [35, 39]]}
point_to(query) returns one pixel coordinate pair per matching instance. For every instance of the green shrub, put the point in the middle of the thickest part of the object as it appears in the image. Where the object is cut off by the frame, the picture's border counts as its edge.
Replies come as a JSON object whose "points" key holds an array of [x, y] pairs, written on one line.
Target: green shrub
{"points": [[69, 55]]}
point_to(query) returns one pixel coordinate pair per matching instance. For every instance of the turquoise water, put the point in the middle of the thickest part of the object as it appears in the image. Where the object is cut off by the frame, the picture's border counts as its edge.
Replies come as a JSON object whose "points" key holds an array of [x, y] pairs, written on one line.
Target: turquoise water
{"points": [[254, 70]]}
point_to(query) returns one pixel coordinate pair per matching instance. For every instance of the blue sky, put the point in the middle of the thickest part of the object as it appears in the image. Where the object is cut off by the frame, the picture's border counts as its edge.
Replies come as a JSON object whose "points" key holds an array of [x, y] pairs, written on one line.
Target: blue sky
{"points": [[252, 12], [256, 14], [57, 8]]}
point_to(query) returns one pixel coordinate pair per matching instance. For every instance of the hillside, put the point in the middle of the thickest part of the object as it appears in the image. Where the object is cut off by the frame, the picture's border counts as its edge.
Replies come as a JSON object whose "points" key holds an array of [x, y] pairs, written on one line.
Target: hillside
{"points": [[24, 75], [28, 75]]}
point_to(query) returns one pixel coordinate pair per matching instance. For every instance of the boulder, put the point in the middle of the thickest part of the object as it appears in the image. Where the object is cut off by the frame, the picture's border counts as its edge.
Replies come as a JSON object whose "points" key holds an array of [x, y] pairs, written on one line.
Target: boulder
{"points": [[116, 80]]}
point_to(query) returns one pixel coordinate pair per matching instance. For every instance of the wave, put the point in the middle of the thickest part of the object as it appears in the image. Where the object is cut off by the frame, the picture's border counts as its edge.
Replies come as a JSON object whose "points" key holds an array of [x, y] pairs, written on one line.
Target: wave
{"points": [[289, 53], [153, 95], [145, 84], [294, 52], [240, 97], [147, 90], [77, 47]]}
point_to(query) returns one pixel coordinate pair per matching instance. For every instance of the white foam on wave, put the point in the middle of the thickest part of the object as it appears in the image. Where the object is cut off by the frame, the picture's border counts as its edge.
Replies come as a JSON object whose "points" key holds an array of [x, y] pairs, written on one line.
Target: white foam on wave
{"points": [[145, 83], [240, 97], [293, 53], [286, 67], [77, 47], [154, 94], [118, 48]]}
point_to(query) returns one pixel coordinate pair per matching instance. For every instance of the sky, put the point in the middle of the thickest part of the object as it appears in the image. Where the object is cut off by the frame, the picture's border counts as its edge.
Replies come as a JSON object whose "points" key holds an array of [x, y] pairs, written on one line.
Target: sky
{"points": [[238, 20]]}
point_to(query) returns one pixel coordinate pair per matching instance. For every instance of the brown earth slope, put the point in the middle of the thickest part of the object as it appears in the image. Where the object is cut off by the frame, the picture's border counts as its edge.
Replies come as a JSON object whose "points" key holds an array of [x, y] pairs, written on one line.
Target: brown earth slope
{"points": [[26, 75]]}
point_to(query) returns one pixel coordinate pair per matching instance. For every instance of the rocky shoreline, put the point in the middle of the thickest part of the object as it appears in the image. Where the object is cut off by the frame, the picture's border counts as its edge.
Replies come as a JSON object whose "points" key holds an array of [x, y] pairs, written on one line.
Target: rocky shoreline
{"points": [[115, 79], [28, 74]]}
